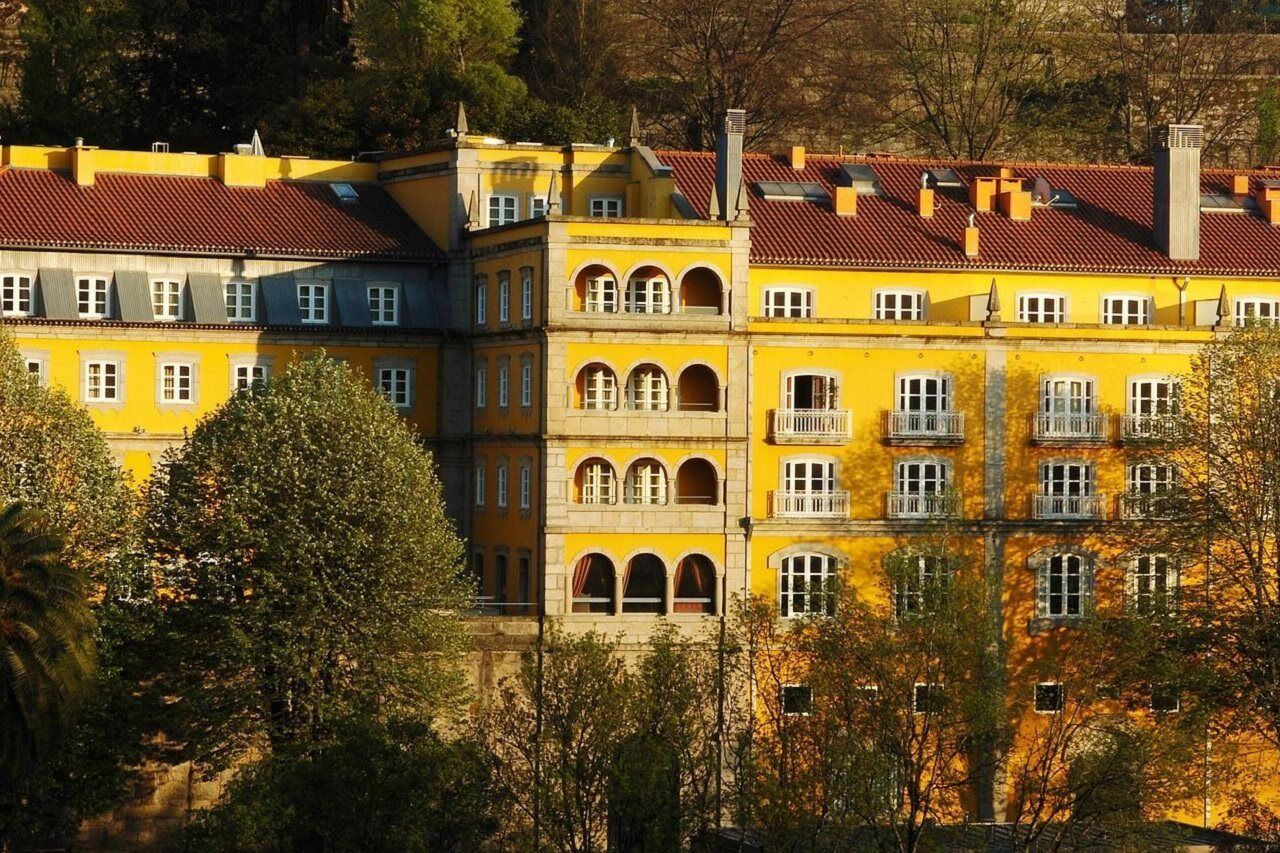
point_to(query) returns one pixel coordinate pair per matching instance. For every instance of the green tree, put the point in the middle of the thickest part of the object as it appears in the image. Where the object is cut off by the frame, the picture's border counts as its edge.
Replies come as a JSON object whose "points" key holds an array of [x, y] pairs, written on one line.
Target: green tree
{"points": [[310, 573]]}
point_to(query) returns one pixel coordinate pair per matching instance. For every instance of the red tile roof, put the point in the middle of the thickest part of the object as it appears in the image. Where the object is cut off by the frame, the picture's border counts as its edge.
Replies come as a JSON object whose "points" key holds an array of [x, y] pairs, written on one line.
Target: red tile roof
{"points": [[154, 213], [1110, 231]]}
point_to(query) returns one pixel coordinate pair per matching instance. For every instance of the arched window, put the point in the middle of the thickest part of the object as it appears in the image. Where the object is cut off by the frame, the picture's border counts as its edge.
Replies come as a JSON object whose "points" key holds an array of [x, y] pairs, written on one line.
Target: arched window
{"points": [[1153, 584], [699, 389], [647, 389], [700, 292], [648, 292], [594, 482], [596, 290], [696, 483], [646, 483], [806, 585], [1064, 588], [597, 387], [593, 584], [695, 586], [645, 588], [921, 584]]}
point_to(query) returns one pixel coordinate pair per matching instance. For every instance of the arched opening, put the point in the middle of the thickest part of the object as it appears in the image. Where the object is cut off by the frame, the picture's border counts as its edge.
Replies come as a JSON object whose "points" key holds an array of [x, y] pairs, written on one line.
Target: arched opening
{"points": [[648, 292], [698, 389], [593, 583], [695, 586], [596, 290], [647, 389], [700, 292], [646, 483], [696, 483], [596, 388], [593, 482], [645, 588]]}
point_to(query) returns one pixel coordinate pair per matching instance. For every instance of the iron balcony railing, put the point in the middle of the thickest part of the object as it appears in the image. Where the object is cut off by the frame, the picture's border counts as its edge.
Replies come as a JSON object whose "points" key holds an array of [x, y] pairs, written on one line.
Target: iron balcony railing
{"points": [[923, 504], [1149, 426], [812, 425], [1069, 506], [809, 504], [1070, 426], [936, 425]]}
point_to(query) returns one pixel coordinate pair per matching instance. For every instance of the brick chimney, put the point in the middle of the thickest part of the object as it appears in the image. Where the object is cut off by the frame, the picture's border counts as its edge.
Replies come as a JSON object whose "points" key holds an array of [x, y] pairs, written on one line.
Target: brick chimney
{"points": [[726, 202], [1176, 195]]}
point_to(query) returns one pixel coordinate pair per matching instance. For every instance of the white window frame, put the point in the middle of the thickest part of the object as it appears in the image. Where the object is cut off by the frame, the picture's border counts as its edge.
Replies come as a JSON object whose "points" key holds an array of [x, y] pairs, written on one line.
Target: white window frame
{"points": [[396, 384], [1126, 303], [504, 297], [648, 294], [782, 700], [1074, 472], [800, 475], [107, 369], [1150, 477], [648, 389], [526, 295], [825, 393], [504, 385], [1042, 306], [899, 303], [17, 295], [807, 566], [1264, 309], [1153, 394], [242, 375], [166, 299], [384, 304], [922, 475], [1061, 694], [537, 206], [482, 300], [502, 209], [526, 491], [601, 296], [313, 302], [482, 386], [788, 301], [480, 483], [599, 481], [526, 383], [646, 483], [177, 382], [599, 388], [39, 359], [500, 490], [929, 687], [1065, 609], [242, 302], [928, 572], [606, 206], [1144, 578], [933, 392], [1068, 394], [93, 297]]}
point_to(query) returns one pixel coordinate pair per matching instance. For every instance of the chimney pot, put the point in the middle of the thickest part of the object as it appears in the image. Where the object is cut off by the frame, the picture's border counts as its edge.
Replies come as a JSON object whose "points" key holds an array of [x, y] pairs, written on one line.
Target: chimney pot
{"points": [[924, 203], [797, 157], [1240, 185], [845, 201], [971, 241], [1176, 191]]}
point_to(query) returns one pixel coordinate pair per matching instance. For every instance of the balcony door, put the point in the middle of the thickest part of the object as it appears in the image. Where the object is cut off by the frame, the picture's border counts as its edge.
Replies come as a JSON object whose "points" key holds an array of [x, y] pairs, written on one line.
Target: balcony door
{"points": [[1153, 397], [1068, 396], [1067, 480], [809, 477], [811, 392]]}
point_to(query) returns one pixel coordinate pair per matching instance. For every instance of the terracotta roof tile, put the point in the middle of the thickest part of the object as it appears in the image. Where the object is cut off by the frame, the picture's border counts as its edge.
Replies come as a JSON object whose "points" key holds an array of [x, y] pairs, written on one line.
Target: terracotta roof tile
{"points": [[1110, 231], [46, 209]]}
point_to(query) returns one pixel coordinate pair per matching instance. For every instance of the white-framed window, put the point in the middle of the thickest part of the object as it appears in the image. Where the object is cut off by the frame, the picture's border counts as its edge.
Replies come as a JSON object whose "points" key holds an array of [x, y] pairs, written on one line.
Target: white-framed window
{"points": [[177, 382], [927, 392], [1151, 478], [1126, 309], [1068, 395], [313, 302], [15, 295], [396, 384], [1260, 309], [928, 698], [38, 366], [1153, 396], [93, 297], [526, 294], [166, 299], [1066, 479], [504, 385], [605, 207], [537, 206], [646, 483], [1064, 586], [526, 496], [241, 302], [504, 297], [809, 476], [599, 388], [526, 384], [602, 294], [482, 387], [384, 304], [811, 392], [480, 484], [101, 381], [899, 304], [796, 700], [1050, 697], [1042, 308], [482, 300], [647, 389], [501, 496], [245, 377], [503, 209], [597, 484], [806, 585], [922, 476], [921, 587], [1153, 584], [648, 295], [788, 302]]}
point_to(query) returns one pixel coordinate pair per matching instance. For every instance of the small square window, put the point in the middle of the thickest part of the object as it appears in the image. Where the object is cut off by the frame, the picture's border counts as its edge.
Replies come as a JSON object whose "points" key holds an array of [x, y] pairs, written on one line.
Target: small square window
{"points": [[537, 206], [101, 381], [396, 384], [1165, 699], [250, 376], [1049, 697], [928, 699], [37, 367], [605, 207], [797, 700]]}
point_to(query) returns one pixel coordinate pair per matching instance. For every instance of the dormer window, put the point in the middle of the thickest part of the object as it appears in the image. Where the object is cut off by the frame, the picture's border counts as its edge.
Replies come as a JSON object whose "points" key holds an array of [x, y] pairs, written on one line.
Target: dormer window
{"points": [[166, 299], [15, 295], [503, 209], [92, 298]]}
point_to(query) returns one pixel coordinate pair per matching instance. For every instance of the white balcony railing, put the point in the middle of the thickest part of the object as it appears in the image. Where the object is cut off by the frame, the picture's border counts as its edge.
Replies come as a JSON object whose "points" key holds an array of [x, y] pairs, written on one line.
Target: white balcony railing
{"points": [[809, 504], [923, 505], [814, 426], [1151, 426], [1070, 426], [948, 426], [1069, 506], [1144, 505]]}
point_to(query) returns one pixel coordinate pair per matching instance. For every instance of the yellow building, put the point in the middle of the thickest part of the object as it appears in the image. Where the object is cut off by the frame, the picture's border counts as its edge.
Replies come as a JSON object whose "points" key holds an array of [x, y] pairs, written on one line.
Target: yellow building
{"points": [[657, 380]]}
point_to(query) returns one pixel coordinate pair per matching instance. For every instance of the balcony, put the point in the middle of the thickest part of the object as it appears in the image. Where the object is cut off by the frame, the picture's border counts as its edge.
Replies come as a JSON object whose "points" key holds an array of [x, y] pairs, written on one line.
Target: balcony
{"points": [[1150, 427], [809, 505], [1144, 505], [811, 426], [916, 427], [1069, 507], [1068, 427], [923, 504]]}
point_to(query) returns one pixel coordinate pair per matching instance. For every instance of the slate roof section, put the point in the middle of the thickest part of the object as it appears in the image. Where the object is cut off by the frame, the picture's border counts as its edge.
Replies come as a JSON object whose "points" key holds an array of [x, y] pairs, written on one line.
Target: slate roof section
{"points": [[1110, 231], [188, 215]]}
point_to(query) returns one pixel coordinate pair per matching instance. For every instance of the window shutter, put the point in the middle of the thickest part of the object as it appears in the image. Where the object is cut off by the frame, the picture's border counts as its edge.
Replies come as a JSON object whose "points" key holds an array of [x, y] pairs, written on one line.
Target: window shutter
{"points": [[58, 294], [208, 298], [352, 300], [133, 290], [280, 298]]}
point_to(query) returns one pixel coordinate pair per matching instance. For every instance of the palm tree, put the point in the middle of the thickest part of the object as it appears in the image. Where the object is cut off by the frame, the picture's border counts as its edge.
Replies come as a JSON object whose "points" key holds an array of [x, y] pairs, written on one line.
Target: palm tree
{"points": [[47, 655]]}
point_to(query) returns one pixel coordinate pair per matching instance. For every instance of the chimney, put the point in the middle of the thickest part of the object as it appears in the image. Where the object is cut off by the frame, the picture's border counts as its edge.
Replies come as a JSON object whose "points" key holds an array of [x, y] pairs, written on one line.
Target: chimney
{"points": [[1176, 197], [729, 166], [924, 201], [971, 238], [796, 157]]}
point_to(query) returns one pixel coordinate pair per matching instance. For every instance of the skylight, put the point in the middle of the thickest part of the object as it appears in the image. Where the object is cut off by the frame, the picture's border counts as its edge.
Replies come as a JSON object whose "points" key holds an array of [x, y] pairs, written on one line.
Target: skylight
{"points": [[346, 193], [1222, 203], [861, 177], [1044, 195], [792, 191], [944, 178]]}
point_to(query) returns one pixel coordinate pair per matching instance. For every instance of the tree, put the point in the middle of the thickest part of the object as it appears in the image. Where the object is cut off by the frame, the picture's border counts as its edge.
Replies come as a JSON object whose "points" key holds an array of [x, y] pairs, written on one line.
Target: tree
{"points": [[310, 573]]}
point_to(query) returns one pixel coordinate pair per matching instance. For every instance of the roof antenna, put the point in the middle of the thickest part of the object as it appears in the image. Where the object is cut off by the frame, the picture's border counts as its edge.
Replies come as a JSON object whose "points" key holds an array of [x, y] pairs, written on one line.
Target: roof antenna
{"points": [[255, 145]]}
